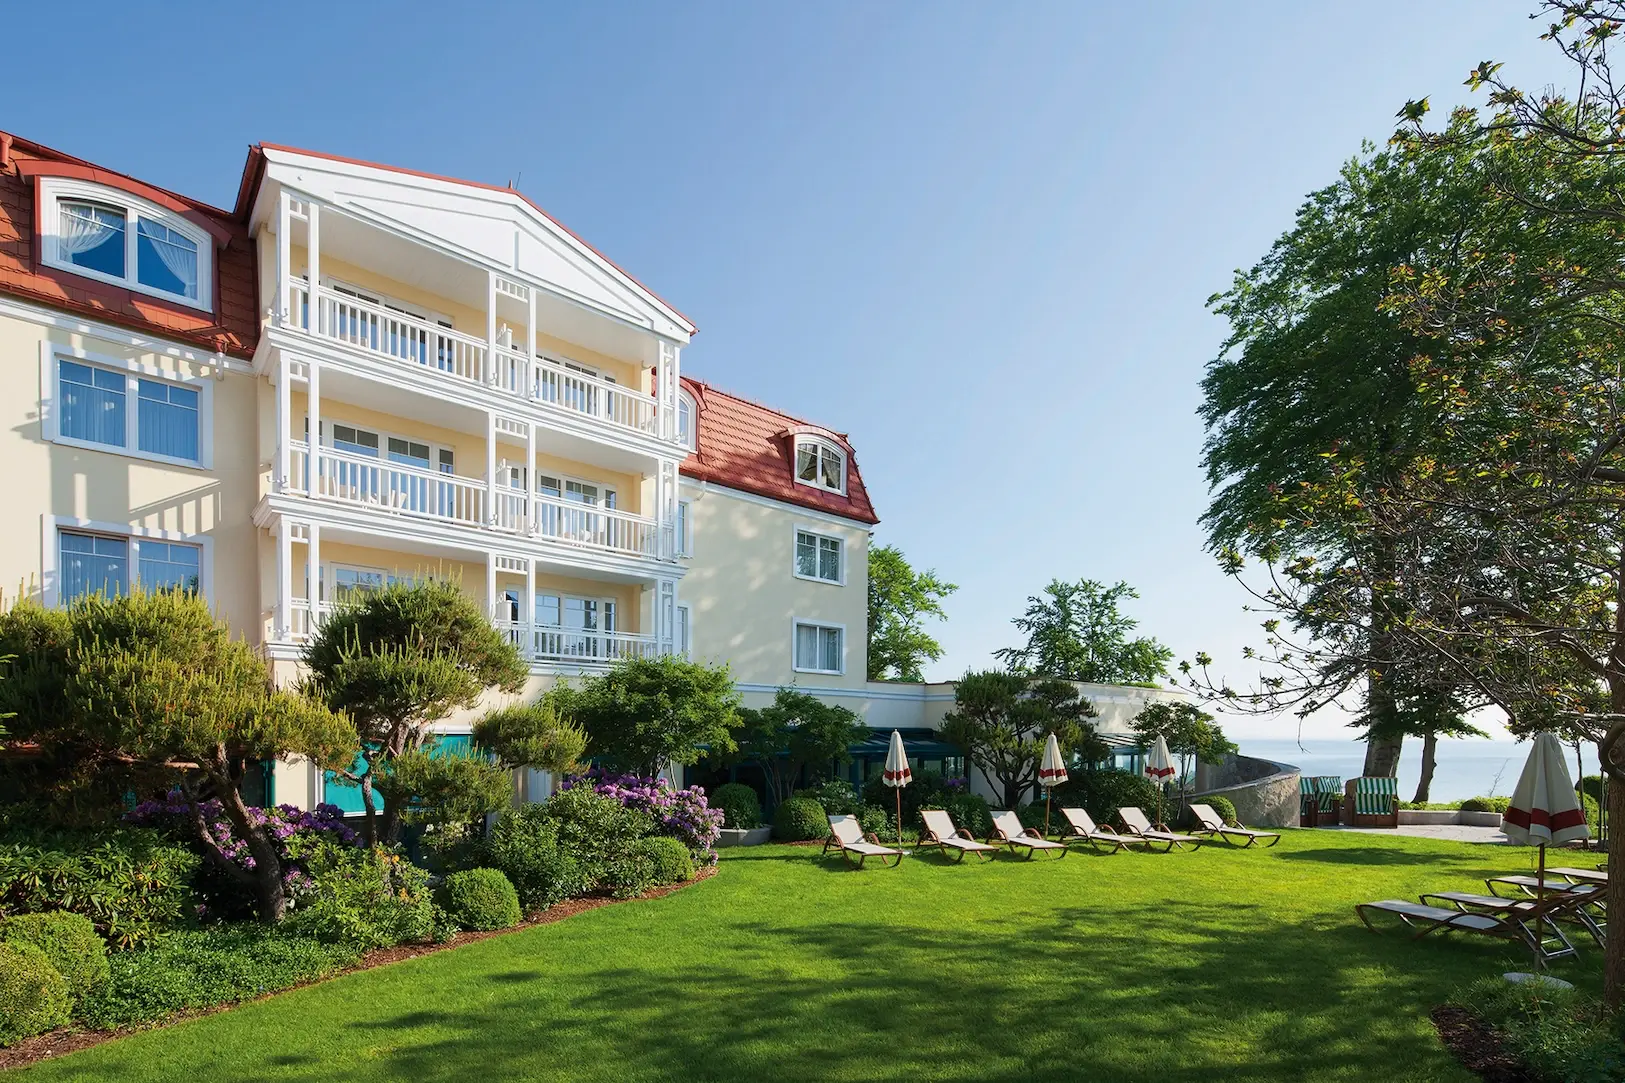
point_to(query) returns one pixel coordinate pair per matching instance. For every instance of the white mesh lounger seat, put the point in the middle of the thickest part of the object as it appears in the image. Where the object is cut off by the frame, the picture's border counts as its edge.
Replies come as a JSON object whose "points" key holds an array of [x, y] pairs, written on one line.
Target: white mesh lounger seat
{"points": [[939, 831], [1527, 884], [1496, 904], [1581, 876], [1079, 826], [1137, 824], [846, 835], [1213, 826], [1008, 829], [1426, 919]]}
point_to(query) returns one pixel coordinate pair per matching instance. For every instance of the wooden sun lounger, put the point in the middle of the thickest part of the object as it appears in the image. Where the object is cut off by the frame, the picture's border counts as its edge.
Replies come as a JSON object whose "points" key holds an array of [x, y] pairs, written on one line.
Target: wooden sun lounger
{"points": [[1008, 829], [846, 835], [1079, 827], [1213, 826], [938, 830], [1468, 901], [1138, 825], [1506, 926]]}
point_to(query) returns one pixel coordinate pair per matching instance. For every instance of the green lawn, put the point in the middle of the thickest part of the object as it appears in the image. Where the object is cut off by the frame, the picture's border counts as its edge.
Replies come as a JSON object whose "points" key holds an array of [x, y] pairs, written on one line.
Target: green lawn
{"points": [[1172, 968]]}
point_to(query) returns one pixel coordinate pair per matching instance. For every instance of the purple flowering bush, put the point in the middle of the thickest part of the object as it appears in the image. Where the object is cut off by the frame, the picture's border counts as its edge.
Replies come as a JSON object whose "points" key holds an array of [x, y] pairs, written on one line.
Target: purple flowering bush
{"points": [[293, 829], [684, 814]]}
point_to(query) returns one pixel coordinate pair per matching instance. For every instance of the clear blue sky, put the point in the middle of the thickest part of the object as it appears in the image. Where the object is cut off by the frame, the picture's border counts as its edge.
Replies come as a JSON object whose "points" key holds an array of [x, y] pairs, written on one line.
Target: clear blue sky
{"points": [[978, 238]]}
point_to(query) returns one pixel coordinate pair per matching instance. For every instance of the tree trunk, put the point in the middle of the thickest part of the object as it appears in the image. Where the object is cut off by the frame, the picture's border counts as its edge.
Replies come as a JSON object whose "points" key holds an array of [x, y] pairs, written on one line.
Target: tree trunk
{"points": [[369, 801], [1386, 739], [1613, 969], [1382, 756], [270, 900], [1430, 751]]}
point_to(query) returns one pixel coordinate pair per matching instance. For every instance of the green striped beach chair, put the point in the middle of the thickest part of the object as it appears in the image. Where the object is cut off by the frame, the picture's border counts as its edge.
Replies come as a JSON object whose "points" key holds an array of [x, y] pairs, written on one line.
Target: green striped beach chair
{"points": [[1308, 801], [1317, 799], [1374, 801]]}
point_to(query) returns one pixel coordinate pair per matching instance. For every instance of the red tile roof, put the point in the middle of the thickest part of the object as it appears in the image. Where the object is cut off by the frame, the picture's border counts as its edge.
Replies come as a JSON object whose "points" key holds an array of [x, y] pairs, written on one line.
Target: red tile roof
{"points": [[745, 445], [233, 328]]}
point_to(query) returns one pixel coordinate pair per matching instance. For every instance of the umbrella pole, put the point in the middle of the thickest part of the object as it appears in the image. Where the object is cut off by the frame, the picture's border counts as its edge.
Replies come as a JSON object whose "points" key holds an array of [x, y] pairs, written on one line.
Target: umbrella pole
{"points": [[1047, 794], [899, 790], [1540, 890]]}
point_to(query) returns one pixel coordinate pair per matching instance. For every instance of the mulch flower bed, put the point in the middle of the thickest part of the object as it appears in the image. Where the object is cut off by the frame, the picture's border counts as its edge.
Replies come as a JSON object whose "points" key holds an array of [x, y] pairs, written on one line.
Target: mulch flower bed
{"points": [[1477, 1047], [69, 1040]]}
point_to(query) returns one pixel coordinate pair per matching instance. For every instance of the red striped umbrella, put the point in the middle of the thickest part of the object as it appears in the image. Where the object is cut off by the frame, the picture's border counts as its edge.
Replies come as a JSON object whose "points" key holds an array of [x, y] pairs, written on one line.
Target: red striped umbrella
{"points": [[897, 776], [1159, 768], [1051, 773]]}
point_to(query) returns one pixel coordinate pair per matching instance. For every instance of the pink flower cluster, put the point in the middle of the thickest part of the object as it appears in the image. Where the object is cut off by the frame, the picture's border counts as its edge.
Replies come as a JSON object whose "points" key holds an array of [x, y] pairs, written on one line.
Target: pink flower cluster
{"points": [[683, 814]]}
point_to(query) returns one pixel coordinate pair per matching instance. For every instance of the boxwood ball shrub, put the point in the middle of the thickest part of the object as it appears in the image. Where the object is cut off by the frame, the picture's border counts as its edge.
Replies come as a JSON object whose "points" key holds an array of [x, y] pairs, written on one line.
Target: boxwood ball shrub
{"points": [[33, 994], [482, 899], [1222, 805], [740, 808], [799, 819], [669, 860], [69, 941], [1486, 804]]}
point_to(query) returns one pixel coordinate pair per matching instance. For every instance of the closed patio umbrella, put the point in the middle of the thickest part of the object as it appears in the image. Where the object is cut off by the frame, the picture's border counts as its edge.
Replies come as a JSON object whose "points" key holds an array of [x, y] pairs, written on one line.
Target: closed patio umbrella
{"points": [[1544, 808], [897, 776], [1159, 768], [1051, 773]]}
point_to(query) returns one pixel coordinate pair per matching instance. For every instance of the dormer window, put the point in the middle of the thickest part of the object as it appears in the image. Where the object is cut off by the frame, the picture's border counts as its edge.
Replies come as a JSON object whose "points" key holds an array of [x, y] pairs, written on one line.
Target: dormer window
{"points": [[116, 237], [820, 464]]}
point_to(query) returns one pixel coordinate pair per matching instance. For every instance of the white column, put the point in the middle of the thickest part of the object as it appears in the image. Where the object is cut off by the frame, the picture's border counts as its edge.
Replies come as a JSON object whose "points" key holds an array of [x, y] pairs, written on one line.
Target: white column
{"points": [[530, 478], [313, 589], [666, 616], [490, 468], [491, 583], [491, 326], [284, 422], [284, 580], [313, 410], [313, 259], [284, 258], [528, 608], [666, 508]]}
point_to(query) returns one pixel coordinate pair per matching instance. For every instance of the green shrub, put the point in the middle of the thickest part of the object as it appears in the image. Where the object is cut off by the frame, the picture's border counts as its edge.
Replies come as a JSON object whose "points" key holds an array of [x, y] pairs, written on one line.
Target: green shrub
{"points": [[1560, 1035], [669, 860], [601, 835], [878, 821], [928, 790], [69, 941], [34, 995], [1593, 812], [203, 968], [971, 813], [362, 899], [740, 807], [481, 899], [1102, 792], [1591, 785], [1222, 805], [131, 883], [1486, 804], [799, 819], [524, 844], [836, 795]]}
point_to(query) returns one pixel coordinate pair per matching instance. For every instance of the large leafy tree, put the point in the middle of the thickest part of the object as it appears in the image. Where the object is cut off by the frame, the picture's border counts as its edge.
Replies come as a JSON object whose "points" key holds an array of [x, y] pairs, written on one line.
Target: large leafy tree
{"points": [[396, 661], [1078, 632], [1002, 720], [648, 712], [900, 599], [795, 732]]}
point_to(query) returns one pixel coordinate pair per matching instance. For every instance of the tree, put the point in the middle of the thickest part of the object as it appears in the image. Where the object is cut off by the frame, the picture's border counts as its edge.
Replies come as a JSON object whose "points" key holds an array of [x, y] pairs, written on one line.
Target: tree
{"points": [[796, 731], [532, 735], [156, 682], [648, 712], [396, 661], [899, 600], [1076, 632], [1189, 732], [1001, 722]]}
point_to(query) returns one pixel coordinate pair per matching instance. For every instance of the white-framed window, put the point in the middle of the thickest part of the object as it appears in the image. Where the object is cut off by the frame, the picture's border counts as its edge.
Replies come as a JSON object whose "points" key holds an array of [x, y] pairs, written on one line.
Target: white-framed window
{"points": [[117, 237], [687, 431], [84, 557], [819, 648], [820, 464], [685, 529], [819, 557], [112, 404], [685, 646]]}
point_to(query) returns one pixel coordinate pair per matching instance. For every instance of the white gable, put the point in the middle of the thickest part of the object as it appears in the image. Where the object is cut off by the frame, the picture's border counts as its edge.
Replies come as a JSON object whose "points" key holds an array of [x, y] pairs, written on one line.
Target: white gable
{"points": [[486, 225]]}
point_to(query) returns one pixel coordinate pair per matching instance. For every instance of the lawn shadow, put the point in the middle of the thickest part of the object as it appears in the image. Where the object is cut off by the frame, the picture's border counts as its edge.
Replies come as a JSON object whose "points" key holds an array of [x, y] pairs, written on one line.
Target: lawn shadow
{"points": [[1361, 855]]}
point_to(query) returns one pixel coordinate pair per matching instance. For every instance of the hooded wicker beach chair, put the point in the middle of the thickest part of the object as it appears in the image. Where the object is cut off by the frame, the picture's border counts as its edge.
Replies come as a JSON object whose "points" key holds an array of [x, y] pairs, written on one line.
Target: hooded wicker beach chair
{"points": [[1009, 830], [1213, 826], [846, 835], [938, 830], [1077, 826], [1371, 802], [1139, 826]]}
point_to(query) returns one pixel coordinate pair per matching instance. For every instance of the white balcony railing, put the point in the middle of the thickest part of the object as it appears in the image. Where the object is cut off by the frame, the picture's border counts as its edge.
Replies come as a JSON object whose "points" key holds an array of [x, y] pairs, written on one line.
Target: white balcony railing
{"points": [[547, 643], [412, 491], [389, 333]]}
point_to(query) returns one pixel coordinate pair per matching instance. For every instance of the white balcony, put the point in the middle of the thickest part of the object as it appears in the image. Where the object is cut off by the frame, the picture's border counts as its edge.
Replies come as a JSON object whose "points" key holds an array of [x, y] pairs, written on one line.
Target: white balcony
{"points": [[400, 339], [412, 492]]}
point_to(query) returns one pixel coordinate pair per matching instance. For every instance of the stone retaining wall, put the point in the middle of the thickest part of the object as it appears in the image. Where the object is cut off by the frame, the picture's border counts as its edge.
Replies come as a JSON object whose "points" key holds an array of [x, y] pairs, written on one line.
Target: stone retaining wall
{"points": [[1264, 792]]}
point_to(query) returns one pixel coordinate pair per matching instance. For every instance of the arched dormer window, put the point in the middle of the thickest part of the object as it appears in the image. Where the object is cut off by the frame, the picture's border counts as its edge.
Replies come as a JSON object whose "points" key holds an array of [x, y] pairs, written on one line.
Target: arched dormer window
{"points": [[820, 463], [117, 237], [687, 422]]}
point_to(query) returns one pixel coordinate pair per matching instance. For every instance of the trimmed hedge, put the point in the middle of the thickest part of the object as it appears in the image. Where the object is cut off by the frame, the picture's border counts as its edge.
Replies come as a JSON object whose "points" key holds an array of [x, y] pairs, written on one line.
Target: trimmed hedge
{"points": [[34, 995], [799, 819], [481, 900], [740, 807], [69, 941], [1486, 804], [1222, 805], [670, 862]]}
